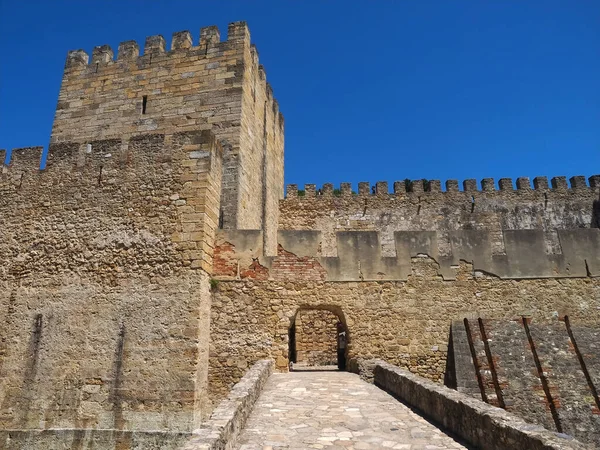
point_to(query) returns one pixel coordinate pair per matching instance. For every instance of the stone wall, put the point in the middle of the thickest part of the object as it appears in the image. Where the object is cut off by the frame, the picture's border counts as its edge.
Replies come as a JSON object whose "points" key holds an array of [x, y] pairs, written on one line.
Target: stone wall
{"points": [[316, 337], [359, 257], [196, 85], [543, 372], [104, 300], [407, 322], [59, 439], [544, 208]]}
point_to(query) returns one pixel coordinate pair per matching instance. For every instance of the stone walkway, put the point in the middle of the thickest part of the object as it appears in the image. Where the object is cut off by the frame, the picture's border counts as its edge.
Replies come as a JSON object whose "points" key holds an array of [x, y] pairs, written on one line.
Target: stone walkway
{"points": [[335, 410]]}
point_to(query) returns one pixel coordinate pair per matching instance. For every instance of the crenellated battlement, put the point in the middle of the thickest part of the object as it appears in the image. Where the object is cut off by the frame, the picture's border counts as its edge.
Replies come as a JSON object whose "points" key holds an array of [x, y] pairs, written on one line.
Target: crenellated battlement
{"points": [[430, 187], [110, 153], [181, 41], [183, 169], [152, 88], [22, 159]]}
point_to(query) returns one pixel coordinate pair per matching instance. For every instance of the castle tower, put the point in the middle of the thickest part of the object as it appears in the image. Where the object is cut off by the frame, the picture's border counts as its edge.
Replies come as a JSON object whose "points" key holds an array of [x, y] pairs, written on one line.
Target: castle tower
{"points": [[107, 254], [196, 85]]}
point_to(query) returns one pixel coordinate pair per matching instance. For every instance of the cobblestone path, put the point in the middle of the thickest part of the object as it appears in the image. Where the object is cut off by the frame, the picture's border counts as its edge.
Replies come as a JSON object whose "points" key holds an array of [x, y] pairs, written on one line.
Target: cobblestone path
{"points": [[335, 410]]}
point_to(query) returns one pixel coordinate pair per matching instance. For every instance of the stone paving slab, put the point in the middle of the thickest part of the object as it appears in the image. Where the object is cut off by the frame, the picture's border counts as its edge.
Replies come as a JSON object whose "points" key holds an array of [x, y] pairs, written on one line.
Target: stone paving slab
{"points": [[335, 410]]}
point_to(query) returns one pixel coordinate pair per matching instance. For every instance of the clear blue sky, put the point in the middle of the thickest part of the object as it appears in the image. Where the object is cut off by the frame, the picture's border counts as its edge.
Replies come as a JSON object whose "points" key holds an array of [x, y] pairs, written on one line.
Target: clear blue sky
{"points": [[372, 90]]}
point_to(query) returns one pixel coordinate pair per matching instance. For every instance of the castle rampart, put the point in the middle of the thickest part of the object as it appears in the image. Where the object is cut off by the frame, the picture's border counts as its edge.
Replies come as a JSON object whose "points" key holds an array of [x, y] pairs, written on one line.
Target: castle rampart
{"points": [[423, 206], [105, 288], [399, 265], [402, 188]]}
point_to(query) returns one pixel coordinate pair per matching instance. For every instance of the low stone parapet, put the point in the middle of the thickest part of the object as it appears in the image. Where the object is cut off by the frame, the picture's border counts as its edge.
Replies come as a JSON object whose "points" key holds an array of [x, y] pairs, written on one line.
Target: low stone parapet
{"points": [[229, 418], [363, 367], [478, 423]]}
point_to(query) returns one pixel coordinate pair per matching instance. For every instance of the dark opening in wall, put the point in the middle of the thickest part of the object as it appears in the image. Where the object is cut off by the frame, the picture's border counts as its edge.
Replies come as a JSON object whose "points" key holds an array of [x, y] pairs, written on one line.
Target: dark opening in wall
{"points": [[318, 339], [144, 103]]}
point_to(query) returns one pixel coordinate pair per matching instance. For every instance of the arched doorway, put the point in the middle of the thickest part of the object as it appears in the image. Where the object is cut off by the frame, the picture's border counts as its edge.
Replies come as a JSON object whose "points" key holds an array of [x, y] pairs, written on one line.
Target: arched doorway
{"points": [[318, 338]]}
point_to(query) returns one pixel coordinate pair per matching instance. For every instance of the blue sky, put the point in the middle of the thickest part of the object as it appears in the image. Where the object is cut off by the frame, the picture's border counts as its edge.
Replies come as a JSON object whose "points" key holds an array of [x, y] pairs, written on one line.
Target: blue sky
{"points": [[372, 90]]}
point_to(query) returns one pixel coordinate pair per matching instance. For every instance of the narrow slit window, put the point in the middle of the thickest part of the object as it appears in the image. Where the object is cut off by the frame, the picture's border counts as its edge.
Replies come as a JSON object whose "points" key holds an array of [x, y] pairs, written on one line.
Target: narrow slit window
{"points": [[144, 103]]}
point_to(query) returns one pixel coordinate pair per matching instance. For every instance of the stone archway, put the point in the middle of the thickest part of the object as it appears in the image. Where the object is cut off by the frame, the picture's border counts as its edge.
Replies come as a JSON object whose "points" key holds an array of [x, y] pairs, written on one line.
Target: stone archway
{"points": [[318, 337]]}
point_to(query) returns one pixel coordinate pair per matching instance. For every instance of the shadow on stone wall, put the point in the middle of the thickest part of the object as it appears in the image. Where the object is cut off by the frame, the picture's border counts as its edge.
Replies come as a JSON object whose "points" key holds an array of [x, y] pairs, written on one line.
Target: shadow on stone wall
{"points": [[596, 214], [450, 373]]}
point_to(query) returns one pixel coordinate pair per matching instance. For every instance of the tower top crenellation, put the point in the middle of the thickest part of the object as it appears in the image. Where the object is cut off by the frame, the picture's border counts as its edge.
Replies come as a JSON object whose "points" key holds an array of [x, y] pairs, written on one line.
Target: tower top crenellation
{"points": [[156, 46]]}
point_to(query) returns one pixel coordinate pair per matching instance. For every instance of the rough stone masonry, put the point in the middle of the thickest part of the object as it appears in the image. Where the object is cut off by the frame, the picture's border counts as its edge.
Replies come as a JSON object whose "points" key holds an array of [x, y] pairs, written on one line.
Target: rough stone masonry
{"points": [[154, 259]]}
